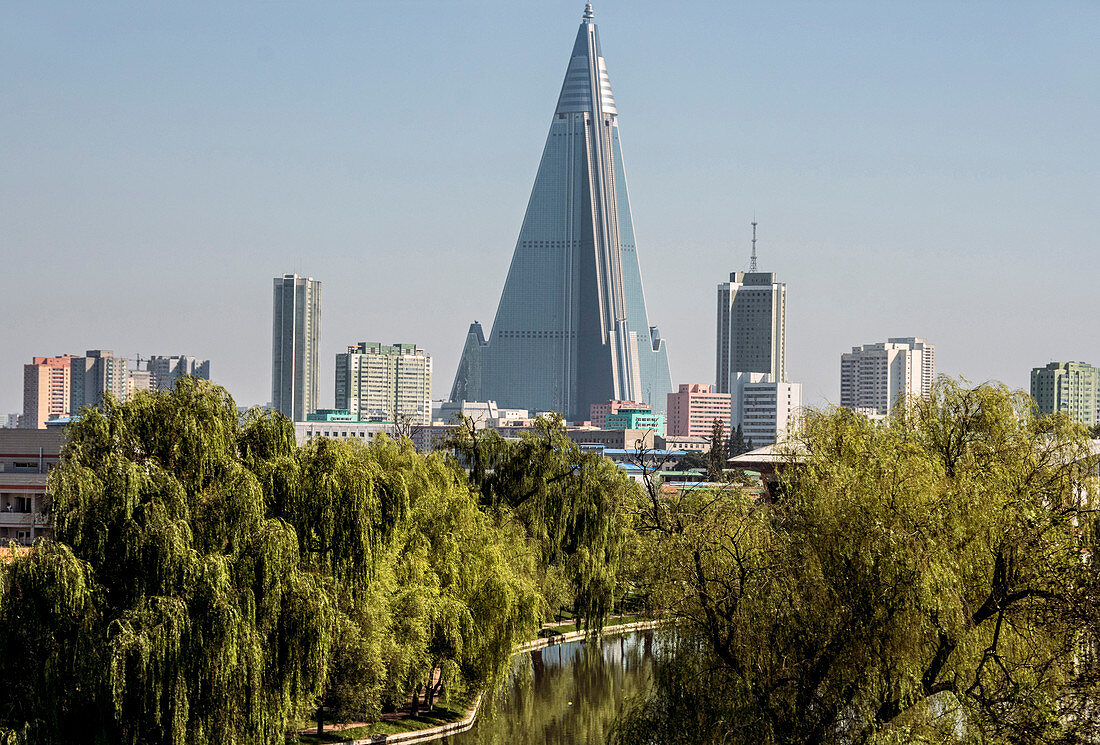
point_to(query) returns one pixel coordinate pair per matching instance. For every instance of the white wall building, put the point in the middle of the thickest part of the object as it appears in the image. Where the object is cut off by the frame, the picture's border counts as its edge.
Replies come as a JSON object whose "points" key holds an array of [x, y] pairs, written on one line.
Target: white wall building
{"points": [[875, 378], [752, 328], [483, 413], [385, 382], [766, 410]]}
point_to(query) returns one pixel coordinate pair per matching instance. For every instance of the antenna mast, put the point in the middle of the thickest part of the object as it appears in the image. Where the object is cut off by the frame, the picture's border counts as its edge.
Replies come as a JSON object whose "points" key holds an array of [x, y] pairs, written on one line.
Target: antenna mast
{"points": [[752, 262]]}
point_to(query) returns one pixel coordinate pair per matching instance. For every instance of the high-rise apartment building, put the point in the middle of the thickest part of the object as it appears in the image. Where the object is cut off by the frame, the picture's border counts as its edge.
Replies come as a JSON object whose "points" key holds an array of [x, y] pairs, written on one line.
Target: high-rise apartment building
{"points": [[166, 370], [138, 380], [572, 328], [1072, 388], [875, 378], [295, 342], [380, 382], [96, 373], [693, 409], [46, 392]]}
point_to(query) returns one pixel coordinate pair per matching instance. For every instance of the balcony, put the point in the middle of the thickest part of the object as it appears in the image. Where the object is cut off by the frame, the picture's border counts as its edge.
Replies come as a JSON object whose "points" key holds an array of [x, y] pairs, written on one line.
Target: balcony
{"points": [[24, 520]]}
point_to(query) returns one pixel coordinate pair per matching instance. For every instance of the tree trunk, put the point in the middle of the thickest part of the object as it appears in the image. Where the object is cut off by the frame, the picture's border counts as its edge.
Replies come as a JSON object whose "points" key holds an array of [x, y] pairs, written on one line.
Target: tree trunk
{"points": [[415, 709], [320, 719]]}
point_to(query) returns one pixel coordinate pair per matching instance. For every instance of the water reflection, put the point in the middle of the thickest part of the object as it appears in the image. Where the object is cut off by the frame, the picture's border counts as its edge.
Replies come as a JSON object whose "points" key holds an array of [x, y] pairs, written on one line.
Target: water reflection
{"points": [[569, 694]]}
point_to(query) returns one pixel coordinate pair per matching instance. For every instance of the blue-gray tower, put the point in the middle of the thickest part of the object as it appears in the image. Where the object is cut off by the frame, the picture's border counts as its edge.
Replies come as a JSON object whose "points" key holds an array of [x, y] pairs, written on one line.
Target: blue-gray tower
{"points": [[571, 328]]}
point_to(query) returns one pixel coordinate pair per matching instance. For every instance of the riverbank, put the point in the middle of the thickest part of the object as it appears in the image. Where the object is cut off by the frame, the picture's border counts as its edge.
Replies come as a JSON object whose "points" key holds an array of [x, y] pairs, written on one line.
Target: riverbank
{"points": [[447, 719]]}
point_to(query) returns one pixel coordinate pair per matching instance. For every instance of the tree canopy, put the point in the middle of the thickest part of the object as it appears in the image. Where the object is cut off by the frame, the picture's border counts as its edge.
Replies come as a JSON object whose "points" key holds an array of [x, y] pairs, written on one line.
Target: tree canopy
{"points": [[211, 582], [926, 579]]}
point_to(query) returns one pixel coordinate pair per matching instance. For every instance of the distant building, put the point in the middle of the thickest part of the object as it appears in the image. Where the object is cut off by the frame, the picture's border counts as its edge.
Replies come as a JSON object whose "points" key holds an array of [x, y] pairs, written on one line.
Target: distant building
{"points": [[95, 374], [138, 380], [693, 409], [572, 328], [1072, 388], [687, 443], [636, 418], [613, 438], [167, 370], [766, 410], [46, 390], [752, 326], [383, 382], [26, 457], [331, 415], [481, 413], [337, 429], [295, 342], [10, 421], [875, 378], [598, 413]]}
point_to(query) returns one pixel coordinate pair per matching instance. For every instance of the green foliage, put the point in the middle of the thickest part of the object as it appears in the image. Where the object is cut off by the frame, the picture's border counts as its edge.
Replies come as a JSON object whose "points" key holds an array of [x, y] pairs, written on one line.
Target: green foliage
{"points": [[570, 502], [211, 582], [693, 460], [924, 580], [716, 456]]}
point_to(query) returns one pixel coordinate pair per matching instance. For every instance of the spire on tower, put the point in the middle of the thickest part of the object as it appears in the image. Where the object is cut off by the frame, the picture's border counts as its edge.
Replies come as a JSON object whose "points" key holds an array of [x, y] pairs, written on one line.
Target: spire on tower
{"points": [[588, 14], [752, 261]]}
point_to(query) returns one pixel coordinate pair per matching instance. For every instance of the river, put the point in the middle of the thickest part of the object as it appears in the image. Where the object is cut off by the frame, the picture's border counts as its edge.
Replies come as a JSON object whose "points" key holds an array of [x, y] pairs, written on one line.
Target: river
{"points": [[568, 694]]}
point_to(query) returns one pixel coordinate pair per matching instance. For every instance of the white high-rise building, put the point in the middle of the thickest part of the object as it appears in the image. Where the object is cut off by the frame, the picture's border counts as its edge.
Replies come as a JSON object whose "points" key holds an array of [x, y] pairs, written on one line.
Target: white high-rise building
{"points": [[875, 378], [765, 410], [752, 328], [166, 370], [295, 340], [385, 383]]}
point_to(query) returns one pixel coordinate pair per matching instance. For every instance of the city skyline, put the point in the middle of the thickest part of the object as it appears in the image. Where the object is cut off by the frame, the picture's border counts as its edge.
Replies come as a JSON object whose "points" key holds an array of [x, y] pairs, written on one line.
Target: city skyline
{"points": [[915, 172], [572, 329]]}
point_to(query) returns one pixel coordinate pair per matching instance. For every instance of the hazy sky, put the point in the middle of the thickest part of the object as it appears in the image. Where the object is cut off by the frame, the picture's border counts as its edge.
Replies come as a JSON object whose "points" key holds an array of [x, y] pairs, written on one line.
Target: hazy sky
{"points": [[917, 169]]}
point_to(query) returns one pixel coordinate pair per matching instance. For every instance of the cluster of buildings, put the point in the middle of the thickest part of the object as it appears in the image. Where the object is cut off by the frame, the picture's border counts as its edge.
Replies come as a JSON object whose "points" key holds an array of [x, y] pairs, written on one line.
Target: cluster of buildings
{"points": [[571, 335], [55, 388]]}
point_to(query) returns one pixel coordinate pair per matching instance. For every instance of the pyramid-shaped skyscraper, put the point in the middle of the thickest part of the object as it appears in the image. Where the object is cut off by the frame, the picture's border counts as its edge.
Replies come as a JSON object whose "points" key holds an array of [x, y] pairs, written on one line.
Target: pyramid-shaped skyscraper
{"points": [[571, 329]]}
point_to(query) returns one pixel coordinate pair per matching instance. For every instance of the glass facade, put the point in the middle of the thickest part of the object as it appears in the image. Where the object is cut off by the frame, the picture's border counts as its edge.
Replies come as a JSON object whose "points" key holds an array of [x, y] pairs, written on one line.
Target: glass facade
{"points": [[571, 328]]}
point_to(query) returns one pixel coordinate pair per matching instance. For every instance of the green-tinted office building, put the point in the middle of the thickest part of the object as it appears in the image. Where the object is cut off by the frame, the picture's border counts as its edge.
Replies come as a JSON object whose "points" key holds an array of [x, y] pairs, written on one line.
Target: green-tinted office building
{"points": [[1070, 387], [640, 418]]}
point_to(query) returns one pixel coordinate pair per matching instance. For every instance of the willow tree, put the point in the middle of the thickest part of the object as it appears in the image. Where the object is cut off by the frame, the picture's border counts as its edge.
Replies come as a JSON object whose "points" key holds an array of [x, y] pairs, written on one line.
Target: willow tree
{"points": [[451, 591], [571, 502], [172, 608], [929, 579]]}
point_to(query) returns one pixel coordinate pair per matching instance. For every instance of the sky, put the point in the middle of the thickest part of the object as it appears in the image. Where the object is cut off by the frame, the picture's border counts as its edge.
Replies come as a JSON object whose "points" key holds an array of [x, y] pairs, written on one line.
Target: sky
{"points": [[916, 169]]}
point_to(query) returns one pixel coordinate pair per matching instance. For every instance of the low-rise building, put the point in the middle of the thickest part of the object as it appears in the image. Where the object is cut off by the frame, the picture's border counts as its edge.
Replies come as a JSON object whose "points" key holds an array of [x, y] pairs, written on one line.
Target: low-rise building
{"points": [[613, 438], [636, 418], [481, 413], [26, 458], [598, 413], [687, 443]]}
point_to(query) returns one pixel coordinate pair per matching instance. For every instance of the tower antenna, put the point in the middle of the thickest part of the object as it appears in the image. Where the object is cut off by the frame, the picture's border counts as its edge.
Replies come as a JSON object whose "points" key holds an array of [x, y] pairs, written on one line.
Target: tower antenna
{"points": [[752, 261]]}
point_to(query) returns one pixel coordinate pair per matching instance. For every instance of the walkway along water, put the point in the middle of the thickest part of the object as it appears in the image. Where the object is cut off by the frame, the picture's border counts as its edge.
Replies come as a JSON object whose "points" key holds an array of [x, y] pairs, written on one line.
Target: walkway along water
{"points": [[568, 688]]}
